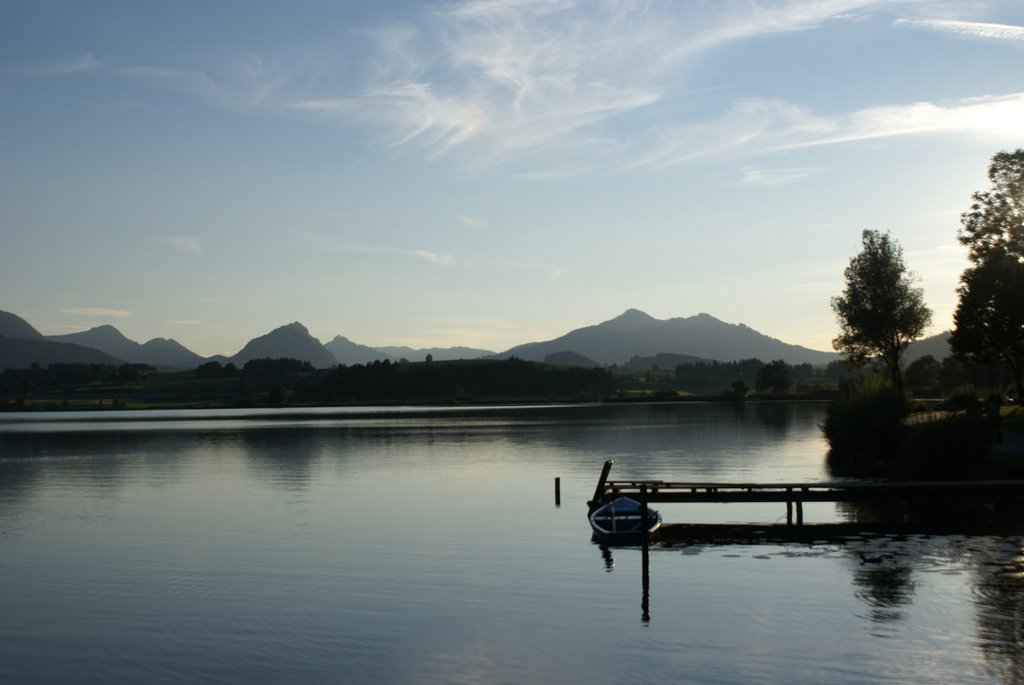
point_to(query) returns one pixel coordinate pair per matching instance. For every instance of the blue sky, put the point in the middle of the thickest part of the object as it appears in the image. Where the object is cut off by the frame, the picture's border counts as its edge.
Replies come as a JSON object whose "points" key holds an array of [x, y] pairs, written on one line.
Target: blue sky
{"points": [[486, 173]]}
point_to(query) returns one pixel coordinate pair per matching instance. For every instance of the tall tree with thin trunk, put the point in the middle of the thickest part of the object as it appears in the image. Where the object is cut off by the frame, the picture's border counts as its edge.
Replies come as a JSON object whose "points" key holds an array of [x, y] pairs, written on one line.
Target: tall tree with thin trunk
{"points": [[989, 318], [880, 312]]}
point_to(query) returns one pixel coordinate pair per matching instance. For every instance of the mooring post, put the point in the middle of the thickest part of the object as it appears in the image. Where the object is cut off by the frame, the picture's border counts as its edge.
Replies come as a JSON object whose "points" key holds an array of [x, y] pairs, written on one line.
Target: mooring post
{"points": [[599, 490], [558, 491]]}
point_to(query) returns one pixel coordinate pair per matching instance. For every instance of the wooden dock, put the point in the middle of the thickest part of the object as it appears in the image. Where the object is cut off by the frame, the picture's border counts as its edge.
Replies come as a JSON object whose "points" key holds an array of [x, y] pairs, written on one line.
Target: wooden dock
{"points": [[794, 495]]}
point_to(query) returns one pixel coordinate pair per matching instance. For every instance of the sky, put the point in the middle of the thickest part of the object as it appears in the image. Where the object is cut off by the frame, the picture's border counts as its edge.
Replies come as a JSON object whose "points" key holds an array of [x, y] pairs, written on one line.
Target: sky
{"points": [[487, 172]]}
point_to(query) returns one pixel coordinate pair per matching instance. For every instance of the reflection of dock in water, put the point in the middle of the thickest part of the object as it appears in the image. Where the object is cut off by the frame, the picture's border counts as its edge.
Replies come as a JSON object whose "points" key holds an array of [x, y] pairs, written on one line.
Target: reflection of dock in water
{"points": [[795, 495], [753, 534], [875, 510]]}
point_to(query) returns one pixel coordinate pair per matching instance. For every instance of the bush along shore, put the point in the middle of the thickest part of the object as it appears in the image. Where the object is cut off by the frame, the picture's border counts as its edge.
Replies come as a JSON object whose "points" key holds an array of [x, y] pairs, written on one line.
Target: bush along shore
{"points": [[873, 431]]}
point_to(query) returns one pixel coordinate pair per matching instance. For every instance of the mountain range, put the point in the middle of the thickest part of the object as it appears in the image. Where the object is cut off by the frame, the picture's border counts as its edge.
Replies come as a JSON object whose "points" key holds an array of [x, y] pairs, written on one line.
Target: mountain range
{"points": [[634, 333], [630, 339]]}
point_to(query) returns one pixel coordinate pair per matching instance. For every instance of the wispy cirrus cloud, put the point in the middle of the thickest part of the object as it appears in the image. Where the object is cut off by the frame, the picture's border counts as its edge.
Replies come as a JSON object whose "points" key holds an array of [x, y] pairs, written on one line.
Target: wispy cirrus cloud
{"points": [[188, 244], [997, 116], [231, 79], [764, 176], [83, 64], [557, 88], [531, 82], [330, 245], [970, 29], [553, 271], [97, 312], [193, 82], [757, 126]]}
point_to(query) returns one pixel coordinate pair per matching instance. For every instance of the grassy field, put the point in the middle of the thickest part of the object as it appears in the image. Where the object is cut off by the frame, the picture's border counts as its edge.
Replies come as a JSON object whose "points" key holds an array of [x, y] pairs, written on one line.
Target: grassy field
{"points": [[155, 391], [1013, 418]]}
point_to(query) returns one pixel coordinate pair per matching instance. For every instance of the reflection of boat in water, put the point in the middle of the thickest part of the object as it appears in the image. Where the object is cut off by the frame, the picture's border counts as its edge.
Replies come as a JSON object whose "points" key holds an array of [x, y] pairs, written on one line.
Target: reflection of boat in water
{"points": [[622, 521]]}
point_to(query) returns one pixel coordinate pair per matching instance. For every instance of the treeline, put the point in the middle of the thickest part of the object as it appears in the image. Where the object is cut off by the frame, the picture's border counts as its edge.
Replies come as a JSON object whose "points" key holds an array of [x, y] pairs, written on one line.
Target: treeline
{"points": [[291, 381], [254, 368], [713, 377], [508, 379], [925, 376], [23, 381], [745, 375]]}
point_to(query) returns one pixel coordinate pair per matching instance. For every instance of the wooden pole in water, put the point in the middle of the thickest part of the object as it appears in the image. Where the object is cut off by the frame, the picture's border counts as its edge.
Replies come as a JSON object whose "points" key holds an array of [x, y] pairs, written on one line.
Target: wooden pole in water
{"points": [[558, 491], [595, 502], [643, 510], [645, 560]]}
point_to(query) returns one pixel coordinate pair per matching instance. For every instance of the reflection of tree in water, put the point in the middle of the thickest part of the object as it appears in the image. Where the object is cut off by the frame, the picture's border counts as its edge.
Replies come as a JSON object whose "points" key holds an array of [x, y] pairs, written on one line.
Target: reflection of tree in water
{"points": [[885, 586], [696, 440], [999, 598], [19, 471], [939, 514], [93, 458], [884, 578], [777, 417], [283, 455]]}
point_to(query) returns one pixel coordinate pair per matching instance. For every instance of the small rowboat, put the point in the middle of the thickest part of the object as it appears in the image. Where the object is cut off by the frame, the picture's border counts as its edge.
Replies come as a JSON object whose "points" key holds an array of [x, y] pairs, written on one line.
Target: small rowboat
{"points": [[621, 521]]}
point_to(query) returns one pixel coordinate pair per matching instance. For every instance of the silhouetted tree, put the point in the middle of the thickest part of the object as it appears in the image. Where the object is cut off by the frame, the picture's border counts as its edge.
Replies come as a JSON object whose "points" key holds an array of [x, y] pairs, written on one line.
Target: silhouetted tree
{"points": [[995, 222], [277, 395], [952, 374], [773, 376], [990, 314], [261, 368], [212, 369], [989, 318], [880, 312], [923, 374]]}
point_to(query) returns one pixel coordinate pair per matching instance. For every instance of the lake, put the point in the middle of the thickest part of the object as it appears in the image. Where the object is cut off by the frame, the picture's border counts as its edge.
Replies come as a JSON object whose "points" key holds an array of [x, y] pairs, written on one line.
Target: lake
{"points": [[424, 546]]}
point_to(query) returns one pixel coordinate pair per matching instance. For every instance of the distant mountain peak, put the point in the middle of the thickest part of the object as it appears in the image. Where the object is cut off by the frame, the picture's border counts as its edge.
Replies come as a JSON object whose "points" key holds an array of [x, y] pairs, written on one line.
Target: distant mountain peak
{"points": [[630, 319], [633, 315], [297, 327], [292, 340]]}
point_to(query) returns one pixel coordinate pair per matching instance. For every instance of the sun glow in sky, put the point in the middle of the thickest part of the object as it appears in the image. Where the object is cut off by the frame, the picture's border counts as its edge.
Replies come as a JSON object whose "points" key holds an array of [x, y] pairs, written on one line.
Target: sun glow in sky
{"points": [[486, 172]]}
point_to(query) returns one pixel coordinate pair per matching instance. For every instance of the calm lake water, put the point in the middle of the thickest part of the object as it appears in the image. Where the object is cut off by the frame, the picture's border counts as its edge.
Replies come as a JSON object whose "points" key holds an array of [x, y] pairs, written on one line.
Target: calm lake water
{"points": [[425, 547]]}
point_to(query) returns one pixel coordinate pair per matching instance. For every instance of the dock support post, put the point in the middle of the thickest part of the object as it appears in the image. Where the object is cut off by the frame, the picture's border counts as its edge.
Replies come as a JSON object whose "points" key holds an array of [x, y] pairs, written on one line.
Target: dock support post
{"points": [[558, 491], [789, 507], [595, 502], [643, 511], [645, 560]]}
